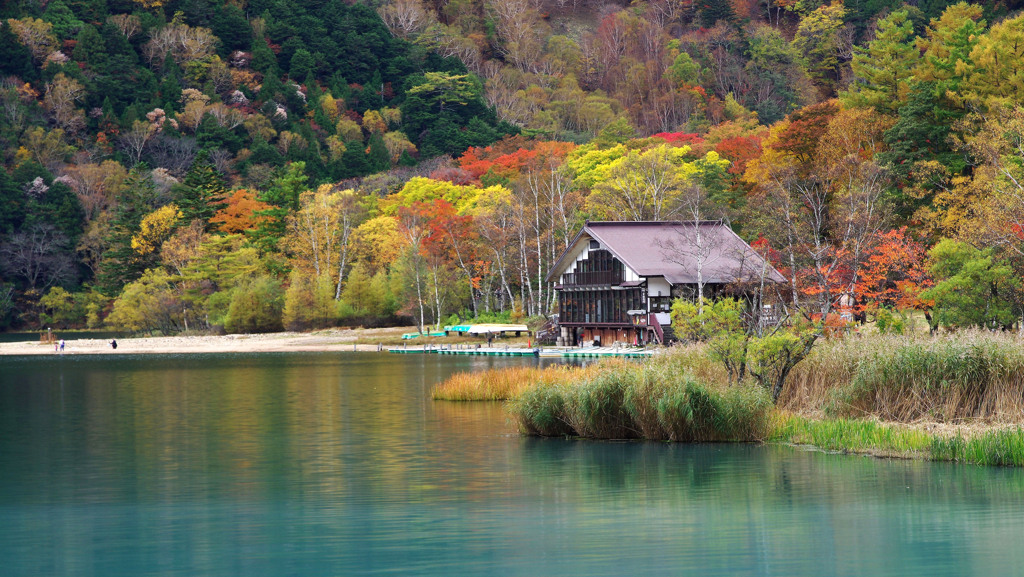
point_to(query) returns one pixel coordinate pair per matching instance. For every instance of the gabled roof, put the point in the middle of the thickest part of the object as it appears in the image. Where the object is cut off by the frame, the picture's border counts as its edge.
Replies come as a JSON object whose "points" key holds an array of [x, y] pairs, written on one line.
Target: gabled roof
{"points": [[670, 249]]}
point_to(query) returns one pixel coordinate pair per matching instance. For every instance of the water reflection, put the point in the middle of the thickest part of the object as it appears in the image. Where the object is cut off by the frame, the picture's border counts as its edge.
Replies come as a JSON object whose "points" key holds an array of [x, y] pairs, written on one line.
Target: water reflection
{"points": [[319, 464]]}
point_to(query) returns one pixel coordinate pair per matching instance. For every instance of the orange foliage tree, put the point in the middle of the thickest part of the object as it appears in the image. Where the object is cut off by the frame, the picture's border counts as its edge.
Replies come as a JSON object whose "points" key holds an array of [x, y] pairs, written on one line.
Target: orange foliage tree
{"points": [[239, 214], [893, 274], [506, 164], [739, 150]]}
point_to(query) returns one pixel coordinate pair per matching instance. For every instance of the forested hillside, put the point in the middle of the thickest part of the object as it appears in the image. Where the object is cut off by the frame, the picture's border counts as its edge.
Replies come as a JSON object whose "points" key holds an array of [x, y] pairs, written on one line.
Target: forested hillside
{"points": [[266, 164]]}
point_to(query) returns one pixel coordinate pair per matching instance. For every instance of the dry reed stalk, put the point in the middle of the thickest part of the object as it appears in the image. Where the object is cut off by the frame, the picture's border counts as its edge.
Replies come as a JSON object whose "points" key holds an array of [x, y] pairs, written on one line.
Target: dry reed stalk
{"points": [[969, 375], [502, 384]]}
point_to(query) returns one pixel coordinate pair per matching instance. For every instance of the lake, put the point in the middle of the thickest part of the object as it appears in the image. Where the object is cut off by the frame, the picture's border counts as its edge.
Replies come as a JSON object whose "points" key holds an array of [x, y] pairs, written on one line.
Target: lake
{"points": [[340, 464]]}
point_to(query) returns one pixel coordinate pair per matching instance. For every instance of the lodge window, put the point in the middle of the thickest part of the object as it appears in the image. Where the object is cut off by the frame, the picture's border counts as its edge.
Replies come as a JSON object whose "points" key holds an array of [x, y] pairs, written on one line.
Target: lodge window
{"points": [[598, 306], [661, 304], [599, 268]]}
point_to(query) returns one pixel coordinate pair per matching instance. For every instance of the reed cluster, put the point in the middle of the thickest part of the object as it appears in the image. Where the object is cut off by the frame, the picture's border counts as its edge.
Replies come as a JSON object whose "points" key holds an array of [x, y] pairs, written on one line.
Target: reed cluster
{"points": [[651, 400], [953, 377]]}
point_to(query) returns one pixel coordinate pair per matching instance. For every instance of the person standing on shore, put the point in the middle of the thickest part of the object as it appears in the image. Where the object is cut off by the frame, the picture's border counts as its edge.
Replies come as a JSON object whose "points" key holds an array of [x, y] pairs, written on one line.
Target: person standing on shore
{"points": [[62, 345], [113, 344]]}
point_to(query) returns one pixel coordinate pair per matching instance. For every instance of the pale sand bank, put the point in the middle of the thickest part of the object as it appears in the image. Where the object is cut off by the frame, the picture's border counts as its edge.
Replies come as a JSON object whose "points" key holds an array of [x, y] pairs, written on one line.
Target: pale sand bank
{"points": [[335, 340]]}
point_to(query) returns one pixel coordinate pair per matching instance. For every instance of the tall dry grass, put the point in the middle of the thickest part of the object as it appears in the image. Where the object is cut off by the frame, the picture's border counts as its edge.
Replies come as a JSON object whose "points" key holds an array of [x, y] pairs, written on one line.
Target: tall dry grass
{"points": [[503, 384], [949, 377]]}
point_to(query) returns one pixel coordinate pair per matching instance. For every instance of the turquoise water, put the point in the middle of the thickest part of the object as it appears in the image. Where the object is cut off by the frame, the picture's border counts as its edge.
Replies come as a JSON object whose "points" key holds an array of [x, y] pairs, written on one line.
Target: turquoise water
{"points": [[329, 464]]}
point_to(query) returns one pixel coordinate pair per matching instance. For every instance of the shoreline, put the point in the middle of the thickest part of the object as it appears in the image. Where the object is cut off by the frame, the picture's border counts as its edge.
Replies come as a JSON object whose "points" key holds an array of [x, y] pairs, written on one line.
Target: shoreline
{"points": [[330, 340]]}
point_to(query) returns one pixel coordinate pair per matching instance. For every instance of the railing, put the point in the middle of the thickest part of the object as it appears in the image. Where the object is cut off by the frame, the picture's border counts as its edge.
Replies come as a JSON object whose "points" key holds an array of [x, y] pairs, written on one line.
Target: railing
{"points": [[596, 278], [653, 321]]}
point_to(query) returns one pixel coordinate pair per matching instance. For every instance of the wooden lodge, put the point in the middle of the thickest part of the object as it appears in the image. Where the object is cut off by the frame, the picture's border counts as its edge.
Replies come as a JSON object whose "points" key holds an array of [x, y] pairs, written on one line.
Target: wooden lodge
{"points": [[617, 280]]}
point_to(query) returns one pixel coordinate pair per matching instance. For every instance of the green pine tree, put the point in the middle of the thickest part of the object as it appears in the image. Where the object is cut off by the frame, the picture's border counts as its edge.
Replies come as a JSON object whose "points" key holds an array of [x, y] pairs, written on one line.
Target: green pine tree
{"points": [[202, 193], [379, 159], [884, 69]]}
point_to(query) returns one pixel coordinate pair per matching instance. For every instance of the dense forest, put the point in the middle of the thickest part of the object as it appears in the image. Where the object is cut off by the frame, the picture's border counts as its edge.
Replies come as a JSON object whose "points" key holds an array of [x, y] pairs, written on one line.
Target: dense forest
{"points": [[253, 165]]}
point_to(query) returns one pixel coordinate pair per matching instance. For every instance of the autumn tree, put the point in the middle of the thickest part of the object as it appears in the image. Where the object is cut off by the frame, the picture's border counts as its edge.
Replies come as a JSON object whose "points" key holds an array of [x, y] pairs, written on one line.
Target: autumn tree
{"points": [[494, 220], [155, 228], [186, 44], [47, 147], [147, 305], [894, 274], [36, 35], [240, 212], [816, 180], [646, 185], [62, 94], [96, 185], [453, 237], [133, 140], [319, 233], [986, 208], [406, 18], [308, 302], [998, 57], [183, 247], [377, 243], [412, 225]]}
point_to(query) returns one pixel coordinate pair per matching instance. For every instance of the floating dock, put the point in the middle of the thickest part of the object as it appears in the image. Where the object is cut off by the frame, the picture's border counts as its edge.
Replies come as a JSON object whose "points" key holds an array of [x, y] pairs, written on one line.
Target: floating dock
{"points": [[572, 353]]}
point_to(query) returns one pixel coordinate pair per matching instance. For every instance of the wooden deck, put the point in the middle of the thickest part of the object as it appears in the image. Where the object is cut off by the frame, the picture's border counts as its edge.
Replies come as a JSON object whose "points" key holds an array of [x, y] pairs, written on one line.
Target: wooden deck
{"points": [[560, 352]]}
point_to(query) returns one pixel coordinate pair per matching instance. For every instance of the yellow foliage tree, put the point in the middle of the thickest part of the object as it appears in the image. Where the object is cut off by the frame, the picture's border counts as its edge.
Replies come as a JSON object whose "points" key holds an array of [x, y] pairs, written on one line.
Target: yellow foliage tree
{"points": [[36, 35], [155, 228], [309, 302], [427, 190], [319, 232], [348, 130], [377, 243], [397, 142], [648, 185], [373, 122], [331, 106]]}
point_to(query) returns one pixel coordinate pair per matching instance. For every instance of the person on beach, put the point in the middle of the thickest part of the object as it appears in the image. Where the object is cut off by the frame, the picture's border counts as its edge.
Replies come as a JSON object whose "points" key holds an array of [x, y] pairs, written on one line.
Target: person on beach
{"points": [[113, 344], [62, 345]]}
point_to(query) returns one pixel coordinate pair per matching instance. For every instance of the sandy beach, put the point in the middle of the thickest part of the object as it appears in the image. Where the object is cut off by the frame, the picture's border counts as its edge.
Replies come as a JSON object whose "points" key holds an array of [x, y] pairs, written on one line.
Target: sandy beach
{"points": [[334, 340]]}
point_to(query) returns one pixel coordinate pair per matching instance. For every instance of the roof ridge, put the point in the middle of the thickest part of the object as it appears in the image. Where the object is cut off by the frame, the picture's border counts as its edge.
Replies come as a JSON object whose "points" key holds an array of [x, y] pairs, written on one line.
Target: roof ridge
{"points": [[651, 222]]}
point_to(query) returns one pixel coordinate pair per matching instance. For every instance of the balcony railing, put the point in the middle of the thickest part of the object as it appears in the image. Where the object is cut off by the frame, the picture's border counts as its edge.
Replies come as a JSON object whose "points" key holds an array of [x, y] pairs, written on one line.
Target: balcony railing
{"points": [[596, 278]]}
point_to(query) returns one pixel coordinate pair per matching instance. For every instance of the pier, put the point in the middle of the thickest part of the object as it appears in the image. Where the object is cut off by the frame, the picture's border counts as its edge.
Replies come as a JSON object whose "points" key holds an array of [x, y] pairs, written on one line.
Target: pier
{"points": [[550, 352]]}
